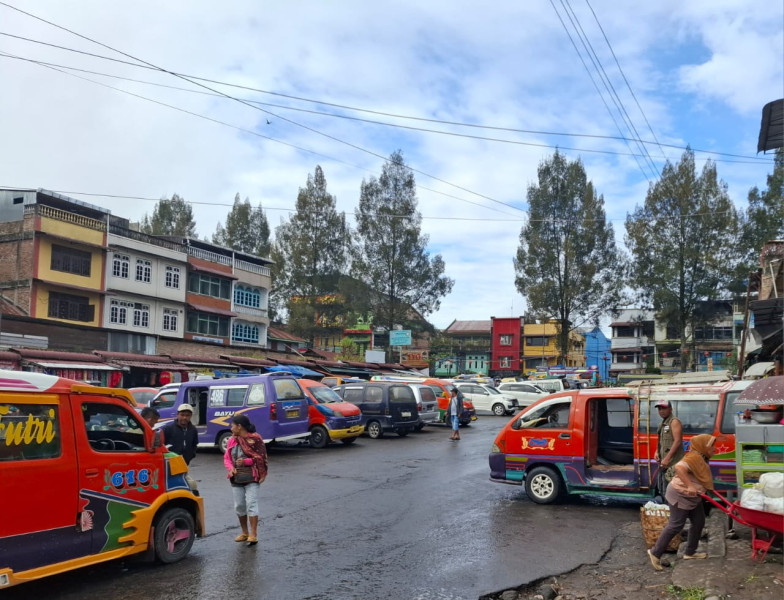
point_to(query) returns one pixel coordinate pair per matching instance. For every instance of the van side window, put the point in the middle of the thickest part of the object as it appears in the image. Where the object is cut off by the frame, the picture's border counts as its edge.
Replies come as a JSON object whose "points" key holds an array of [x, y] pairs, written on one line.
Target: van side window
{"points": [[330, 381], [218, 397], [287, 388], [165, 400], [353, 395], [29, 431], [374, 395], [257, 395], [619, 412], [696, 416], [236, 396], [110, 428], [552, 416]]}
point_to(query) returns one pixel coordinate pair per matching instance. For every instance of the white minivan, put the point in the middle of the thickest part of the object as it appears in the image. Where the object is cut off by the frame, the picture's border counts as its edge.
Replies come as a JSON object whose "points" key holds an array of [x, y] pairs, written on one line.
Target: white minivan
{"points": [[488, 399], [551, 386], [526, 393]]}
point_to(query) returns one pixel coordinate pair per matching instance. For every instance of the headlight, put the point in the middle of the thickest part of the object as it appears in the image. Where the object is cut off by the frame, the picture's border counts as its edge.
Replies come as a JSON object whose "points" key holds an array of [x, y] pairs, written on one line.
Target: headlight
{"points": [[495, 449], [337, 413]]}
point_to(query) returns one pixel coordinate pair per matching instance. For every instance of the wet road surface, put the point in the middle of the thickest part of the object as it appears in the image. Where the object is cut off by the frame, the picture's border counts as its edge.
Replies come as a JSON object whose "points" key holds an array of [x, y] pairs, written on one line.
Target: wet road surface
{"points": [[413, 517]]}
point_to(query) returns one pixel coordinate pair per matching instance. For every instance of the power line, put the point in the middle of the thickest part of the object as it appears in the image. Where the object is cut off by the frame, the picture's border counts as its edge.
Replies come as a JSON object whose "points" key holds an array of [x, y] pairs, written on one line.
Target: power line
{"points": [[749, 159], [307, 128]]}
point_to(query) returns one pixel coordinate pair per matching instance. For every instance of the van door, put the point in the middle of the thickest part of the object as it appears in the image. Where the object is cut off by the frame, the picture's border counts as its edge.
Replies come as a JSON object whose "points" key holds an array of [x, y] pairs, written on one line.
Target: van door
{"points": [[116, 473], [37, 530], [546, 430]]}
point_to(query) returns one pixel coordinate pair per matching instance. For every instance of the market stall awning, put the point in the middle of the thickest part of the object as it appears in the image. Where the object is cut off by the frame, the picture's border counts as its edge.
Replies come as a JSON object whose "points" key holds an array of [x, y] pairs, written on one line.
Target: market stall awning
{"points": [[769, 390], [50, 364]]}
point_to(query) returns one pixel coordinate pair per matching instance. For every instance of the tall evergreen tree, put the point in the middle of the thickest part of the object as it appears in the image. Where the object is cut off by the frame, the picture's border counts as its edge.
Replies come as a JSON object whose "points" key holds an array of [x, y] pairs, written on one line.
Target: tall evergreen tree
{"points": [[310, 252], [170, 217], [682, 242], [392, 260], [247, 229], [567, 265]]}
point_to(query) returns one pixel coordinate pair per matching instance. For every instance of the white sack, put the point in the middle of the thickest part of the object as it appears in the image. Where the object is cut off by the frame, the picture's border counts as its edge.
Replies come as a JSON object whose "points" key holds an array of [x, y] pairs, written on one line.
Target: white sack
{"points": [[772, 484], [753, 498]]}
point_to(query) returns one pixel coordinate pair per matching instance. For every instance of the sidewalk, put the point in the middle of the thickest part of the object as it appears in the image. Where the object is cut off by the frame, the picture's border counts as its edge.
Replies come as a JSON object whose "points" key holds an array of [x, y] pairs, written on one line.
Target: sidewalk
{"points": [[625, 572]]}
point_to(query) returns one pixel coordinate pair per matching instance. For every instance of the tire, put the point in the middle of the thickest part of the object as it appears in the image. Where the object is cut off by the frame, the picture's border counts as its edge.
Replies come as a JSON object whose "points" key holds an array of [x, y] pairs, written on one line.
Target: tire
{"points": [[543, 485], [420, 426], [499, 410], [403, 432], [348, 441], [174, 535], [374, 430], [319, 438], [223, 441]]}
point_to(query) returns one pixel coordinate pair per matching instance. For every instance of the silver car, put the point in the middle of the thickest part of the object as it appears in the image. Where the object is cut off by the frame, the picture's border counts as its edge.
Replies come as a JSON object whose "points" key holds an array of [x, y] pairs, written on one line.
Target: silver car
{"points": [[488, 399], [526, 393], [427, 404]]}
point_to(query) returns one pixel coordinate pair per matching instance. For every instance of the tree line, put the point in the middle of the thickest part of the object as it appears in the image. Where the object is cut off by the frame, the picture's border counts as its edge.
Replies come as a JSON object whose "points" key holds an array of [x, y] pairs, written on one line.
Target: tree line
{"points": [[685, 243]]}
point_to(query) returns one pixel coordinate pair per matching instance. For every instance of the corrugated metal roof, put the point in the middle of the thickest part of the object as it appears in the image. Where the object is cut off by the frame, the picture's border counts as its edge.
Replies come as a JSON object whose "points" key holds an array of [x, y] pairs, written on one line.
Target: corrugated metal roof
{"points": [[130, 357], [279, 334], [248, 361], [469, 327], [33, 354], [771, 134]]}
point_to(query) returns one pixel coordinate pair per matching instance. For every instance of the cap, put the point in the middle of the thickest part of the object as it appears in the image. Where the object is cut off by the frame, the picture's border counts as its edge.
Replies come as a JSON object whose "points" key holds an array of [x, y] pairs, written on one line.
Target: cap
{"points": [[663, 404], [185, 407]]}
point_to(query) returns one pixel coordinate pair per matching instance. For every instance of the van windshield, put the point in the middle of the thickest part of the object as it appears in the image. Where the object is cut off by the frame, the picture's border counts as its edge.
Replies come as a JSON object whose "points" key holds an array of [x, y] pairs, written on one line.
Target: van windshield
{"points": [[324, 395]]}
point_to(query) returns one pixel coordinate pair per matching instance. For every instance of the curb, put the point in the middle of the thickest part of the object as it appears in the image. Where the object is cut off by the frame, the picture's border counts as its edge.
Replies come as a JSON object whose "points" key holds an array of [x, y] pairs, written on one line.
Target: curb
{"points": [[708, 573]]}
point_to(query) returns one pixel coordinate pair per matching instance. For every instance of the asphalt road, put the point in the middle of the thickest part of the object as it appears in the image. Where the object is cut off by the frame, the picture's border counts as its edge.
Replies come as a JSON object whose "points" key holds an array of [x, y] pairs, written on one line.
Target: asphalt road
{"points": [[403, 518]]}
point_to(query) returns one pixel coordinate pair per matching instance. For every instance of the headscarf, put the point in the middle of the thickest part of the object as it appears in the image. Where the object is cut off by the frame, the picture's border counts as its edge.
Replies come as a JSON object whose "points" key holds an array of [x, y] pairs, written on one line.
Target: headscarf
{"points": [[697, 459], [253, 447]]}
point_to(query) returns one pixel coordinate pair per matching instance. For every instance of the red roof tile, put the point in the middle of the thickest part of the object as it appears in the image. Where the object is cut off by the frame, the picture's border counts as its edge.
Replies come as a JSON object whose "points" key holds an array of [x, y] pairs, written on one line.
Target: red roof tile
{"points": [[279, 334]]}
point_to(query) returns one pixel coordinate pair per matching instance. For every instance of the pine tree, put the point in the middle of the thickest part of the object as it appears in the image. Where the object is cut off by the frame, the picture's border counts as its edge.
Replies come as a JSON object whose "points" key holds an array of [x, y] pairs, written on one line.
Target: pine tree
{"points": [[310, 252], [682, 242], [567, 265], [392, 260], [247, 229], [170, 217]]}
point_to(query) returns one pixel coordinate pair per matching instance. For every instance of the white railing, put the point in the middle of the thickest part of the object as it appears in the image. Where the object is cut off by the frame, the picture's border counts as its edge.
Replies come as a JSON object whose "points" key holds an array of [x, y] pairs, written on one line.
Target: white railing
{"points": [[246, 266], [247, 310], [211, 256], [630, 342], [62, 215]]}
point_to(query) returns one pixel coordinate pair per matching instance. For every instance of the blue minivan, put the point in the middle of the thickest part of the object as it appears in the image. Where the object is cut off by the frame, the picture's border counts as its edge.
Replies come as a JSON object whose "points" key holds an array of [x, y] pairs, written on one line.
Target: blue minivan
{"points": [[274, 403]]}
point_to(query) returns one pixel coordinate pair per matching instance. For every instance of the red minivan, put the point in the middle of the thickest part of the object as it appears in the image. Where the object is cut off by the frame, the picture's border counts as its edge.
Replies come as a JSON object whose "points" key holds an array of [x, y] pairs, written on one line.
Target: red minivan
{"points": [[330, 418], [85, 481]]}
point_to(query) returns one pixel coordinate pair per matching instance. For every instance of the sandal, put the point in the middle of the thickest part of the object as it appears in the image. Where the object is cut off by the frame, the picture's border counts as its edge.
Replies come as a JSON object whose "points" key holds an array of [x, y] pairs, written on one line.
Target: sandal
{"points": [[243, 537], [252, 541]]}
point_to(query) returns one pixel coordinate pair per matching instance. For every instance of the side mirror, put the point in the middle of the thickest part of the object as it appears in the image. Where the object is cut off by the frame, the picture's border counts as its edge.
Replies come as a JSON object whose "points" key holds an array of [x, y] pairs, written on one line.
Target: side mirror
{"points": [[516, 424], [156, 440]]}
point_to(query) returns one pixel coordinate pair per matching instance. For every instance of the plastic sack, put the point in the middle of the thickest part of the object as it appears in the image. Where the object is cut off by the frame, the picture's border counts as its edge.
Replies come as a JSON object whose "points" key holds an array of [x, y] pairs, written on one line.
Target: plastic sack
{"points": [[774, 505], [772, 484], [753, 498]]}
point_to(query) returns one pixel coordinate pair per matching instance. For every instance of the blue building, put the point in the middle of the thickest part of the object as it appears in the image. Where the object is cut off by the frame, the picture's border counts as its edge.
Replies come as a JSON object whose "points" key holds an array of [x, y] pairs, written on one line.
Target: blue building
{"points": [[597, 352]]}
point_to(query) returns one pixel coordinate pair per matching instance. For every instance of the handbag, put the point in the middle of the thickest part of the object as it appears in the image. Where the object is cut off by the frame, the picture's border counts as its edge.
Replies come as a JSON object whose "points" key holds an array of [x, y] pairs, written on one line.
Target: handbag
{"points": [[243, 476]]}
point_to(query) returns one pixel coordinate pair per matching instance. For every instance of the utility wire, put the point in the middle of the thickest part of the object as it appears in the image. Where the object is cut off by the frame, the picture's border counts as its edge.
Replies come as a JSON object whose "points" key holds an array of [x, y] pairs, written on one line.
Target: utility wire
{"points": [[292, 122], [750, 159]]}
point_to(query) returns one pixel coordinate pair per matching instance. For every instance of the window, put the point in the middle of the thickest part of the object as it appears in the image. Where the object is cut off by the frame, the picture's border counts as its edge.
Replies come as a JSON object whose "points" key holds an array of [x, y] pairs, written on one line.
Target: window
{"points": [[165, 399], [505, 340], [374, 394], [257, 395], [172, 277], [143, 270], [536, 340], [169, 319], [71, 308], [207, 285], [118, 312], [141, 315], [696, 416], [208, 324], [353, 395], [247, 296], [111, 428], [236, 396], [244, 332], [71, 260], [287, 388], [550, 416], [121, 265], [398, 393], [505, 362], [14, 445], [619, 412]]}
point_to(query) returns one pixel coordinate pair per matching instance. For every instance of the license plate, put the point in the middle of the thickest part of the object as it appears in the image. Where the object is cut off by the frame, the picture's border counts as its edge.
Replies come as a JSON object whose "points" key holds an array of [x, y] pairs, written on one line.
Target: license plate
{"points": [[405, 413], [292, 413]]}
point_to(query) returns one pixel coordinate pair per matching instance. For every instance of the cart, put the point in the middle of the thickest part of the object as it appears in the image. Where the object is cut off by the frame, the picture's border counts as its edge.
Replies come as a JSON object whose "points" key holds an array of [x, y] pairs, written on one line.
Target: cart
{"points": [[765, 527]]}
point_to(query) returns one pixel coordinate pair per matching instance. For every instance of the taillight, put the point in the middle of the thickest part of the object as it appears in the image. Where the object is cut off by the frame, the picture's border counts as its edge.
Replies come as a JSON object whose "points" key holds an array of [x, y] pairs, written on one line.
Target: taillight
{"points": [[419, 407], [273, 411]]}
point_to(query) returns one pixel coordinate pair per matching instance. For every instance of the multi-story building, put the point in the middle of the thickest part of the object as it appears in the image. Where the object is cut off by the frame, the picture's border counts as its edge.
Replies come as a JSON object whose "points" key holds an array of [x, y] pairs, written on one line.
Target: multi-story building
{"points": [[507, 344], [540, 348], [632, 341], [597, 351], [470, 349]]}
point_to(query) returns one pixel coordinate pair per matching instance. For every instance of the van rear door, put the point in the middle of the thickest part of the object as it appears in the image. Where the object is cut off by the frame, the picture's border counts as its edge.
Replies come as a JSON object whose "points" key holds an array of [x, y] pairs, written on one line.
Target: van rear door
{"points": [[292, 407]]}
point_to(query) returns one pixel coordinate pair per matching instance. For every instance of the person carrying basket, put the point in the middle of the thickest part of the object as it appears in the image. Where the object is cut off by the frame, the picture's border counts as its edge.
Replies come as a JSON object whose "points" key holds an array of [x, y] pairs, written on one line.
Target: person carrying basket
{"points": [[692, 478]]}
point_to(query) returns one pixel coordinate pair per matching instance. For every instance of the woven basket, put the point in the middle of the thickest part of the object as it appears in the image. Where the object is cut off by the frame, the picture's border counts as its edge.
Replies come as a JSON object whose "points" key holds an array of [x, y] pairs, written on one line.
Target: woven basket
{"points": [[652, 526]]}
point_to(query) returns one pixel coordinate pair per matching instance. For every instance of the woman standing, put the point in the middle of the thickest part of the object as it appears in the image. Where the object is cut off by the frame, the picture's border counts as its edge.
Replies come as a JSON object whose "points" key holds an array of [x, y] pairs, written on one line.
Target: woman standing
{"points": [[453, 412], [692, 478], [246, 463]]}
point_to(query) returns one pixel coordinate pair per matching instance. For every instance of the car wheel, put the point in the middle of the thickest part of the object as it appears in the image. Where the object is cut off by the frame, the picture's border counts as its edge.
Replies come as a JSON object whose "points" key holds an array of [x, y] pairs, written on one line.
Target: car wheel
{"points": [[223, 441], [374, 430], [499, 410], [402, 432], [174, 535], [543, 485], [349, 441], [420, 426], [319, 438]]}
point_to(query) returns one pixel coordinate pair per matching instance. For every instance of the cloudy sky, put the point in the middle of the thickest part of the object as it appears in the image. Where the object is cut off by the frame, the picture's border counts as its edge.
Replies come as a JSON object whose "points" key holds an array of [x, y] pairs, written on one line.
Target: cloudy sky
{"points": [[475, 94]]}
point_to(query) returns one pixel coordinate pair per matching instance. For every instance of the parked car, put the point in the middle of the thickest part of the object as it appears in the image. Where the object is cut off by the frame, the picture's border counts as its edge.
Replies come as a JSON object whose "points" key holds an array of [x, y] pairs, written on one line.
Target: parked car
{"points": [[526, 393], [166, 396], [329, 417], [427, 404], [443, 391], [333, 380], [143, 395], [275, 403], [111, 491], [487, 398], [385, 406], [552, 386]]}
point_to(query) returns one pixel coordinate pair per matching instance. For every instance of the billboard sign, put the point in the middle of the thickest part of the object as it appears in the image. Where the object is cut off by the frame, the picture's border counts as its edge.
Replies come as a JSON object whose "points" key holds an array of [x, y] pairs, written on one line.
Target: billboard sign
{"points": [[400, 337]]}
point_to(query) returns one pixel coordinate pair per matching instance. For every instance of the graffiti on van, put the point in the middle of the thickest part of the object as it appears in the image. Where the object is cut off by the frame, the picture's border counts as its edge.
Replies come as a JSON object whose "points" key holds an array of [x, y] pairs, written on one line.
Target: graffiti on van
{"points": [[139, 480], [36, 426], [538, 443]]}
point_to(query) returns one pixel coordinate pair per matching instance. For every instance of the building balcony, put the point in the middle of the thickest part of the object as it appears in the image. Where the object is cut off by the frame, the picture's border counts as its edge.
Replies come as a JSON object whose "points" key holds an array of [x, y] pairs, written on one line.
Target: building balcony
{"points": [[40, 210], [247, 266], [251, 312]]}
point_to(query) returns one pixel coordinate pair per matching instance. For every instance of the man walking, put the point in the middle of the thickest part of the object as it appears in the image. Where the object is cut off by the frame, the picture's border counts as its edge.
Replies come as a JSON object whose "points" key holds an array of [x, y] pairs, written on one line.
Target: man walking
{"points": [[180, 436], [670, 446]]}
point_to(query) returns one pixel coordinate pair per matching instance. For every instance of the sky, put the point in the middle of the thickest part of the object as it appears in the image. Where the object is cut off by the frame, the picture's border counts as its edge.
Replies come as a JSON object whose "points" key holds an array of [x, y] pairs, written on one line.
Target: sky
{"points": [[476, 95]]}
